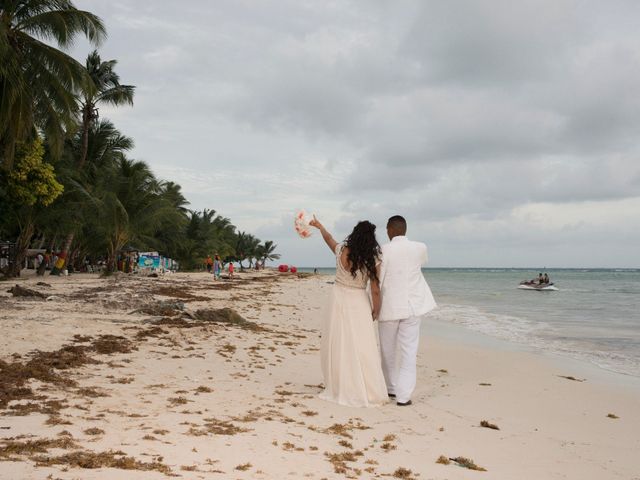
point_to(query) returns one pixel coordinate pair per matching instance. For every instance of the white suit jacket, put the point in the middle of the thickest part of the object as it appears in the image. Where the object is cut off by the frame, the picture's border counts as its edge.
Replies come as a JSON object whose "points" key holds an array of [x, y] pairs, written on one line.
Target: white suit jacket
{"points": [[405, 292]]}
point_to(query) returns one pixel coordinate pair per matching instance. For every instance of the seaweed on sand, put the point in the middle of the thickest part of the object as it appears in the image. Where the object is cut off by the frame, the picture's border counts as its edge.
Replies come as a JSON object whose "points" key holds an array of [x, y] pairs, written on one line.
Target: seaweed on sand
{"points": [[467, 463], [51, 407], [150, 332], [226, 316], [66, 358], [110, 459], [42, 366], [107, 344], [11, 448], [345, 429], [46, 367], [339, 461], [216, 427], [403, 473], [19, 291], [162, 309]]}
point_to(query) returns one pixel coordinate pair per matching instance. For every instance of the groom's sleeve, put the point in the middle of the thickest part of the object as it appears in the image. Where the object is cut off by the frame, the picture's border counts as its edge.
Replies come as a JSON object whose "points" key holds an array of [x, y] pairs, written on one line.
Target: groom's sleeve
{"points": [[383, 269]]}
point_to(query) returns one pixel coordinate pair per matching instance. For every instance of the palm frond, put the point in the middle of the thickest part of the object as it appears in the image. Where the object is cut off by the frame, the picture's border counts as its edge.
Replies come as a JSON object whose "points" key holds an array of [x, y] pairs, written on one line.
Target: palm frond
{"points": [[63, 26]]}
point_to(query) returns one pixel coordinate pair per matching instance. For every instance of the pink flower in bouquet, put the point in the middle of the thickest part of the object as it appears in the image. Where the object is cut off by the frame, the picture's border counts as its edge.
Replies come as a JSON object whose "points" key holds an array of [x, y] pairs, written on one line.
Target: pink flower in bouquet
{"points": [[301, 224]]}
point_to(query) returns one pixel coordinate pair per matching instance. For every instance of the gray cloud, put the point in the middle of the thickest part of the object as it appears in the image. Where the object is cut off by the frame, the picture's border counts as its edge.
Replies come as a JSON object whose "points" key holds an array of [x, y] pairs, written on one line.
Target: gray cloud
{"points": [[462, 115]]}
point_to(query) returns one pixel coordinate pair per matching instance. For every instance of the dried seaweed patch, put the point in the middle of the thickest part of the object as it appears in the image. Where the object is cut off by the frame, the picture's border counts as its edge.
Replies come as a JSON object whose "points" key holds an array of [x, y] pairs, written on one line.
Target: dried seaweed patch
{"points": [[403, 473], [467, 463], [109, 459], [31, 447]]}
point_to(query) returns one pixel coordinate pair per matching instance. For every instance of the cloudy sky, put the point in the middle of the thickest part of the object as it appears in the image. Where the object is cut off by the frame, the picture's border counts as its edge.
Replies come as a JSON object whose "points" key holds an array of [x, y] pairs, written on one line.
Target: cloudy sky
{"points": [[507, 133]]}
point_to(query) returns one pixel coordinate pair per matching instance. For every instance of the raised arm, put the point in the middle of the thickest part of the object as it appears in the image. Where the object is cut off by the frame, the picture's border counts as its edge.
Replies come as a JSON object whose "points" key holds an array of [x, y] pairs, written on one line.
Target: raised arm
{"points": [[325, 235]]}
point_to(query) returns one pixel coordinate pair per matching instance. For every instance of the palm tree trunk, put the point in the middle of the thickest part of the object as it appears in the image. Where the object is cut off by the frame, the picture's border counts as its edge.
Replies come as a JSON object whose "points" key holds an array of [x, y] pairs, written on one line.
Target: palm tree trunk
{"points": [[86, 122], [87, 116], [52, 243], [62, 258], [22, 244]]}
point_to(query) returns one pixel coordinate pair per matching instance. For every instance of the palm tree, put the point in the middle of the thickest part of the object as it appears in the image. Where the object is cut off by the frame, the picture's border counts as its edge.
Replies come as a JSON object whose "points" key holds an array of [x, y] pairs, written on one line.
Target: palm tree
{"points": [[103, 88], [106, 146], [131, 208], [266, 252], [37, 80], [170, 237], [246, 246]]}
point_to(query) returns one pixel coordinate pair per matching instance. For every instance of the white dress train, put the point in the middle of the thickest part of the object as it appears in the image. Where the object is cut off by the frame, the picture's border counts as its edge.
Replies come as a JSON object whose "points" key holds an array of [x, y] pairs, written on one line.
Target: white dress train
{"points": [[351, 364]]}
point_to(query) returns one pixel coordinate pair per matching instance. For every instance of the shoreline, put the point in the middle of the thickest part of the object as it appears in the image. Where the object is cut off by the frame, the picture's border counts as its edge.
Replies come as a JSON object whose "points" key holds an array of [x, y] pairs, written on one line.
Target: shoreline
{"points": [[185, 387], [454, 333]]}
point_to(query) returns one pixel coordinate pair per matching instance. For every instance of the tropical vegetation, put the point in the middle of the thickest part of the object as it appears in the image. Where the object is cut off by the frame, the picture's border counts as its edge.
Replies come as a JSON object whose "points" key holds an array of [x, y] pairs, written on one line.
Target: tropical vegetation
{"points": [[67, 181]]}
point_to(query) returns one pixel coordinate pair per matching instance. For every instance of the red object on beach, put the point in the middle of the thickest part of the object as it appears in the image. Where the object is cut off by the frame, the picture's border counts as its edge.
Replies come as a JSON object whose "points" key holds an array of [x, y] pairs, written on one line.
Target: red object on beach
{"points": [[283, 268], [293, 269]]}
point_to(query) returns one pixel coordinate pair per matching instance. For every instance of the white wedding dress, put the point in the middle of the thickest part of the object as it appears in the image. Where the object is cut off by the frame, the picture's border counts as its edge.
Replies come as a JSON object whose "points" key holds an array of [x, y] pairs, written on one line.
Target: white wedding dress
{"points": [[351, 364]]}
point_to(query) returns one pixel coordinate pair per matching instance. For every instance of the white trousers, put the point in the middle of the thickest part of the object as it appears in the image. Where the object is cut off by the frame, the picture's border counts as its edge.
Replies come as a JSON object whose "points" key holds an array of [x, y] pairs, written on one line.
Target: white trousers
{"points": [[399, 341]]}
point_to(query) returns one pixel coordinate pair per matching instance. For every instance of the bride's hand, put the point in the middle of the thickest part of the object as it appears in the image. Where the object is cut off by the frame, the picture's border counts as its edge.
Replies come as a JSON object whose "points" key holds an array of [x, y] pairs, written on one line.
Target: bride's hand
{"points": [[315, 223]]}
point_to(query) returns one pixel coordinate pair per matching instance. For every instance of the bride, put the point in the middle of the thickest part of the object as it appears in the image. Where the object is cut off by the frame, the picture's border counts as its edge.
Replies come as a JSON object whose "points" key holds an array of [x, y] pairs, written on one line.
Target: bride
{"points": [[351, 364]]}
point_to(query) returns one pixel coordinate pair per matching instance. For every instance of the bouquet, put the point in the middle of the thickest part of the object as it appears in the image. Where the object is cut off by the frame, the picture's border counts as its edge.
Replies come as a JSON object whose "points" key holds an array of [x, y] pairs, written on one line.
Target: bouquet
{"points": [[301, 222]]}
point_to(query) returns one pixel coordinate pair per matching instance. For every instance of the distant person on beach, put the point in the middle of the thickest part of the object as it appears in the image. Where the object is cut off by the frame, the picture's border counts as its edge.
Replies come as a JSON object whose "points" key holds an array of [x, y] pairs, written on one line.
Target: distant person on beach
{"points": [[231, 269], [217, 267], [38, 261], [209, 263], [348, 352], [44, 263], [406, 298]]}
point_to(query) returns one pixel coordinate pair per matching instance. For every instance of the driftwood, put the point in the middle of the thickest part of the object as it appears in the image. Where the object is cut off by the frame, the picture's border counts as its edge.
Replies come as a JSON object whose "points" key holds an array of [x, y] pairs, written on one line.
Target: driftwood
{"points": [[19, 291]]}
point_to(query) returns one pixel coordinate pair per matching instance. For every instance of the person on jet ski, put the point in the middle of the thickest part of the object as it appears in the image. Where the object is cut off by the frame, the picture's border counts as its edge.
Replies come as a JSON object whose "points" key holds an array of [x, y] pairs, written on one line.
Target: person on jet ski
{"points": [[546, 279]]}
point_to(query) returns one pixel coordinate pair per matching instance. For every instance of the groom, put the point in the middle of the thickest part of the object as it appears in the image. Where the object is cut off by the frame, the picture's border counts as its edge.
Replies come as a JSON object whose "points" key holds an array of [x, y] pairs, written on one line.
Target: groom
{"points": [[406, 297]]}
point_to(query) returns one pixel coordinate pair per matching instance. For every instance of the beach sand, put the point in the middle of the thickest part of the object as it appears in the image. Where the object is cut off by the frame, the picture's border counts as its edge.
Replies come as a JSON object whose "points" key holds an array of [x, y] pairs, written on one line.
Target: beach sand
{"points": [[151, 376]]}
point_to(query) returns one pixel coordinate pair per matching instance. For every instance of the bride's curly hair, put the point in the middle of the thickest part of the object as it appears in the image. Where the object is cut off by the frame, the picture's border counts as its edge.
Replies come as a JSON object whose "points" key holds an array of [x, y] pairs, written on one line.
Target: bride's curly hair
{"points": [[364, 250]]}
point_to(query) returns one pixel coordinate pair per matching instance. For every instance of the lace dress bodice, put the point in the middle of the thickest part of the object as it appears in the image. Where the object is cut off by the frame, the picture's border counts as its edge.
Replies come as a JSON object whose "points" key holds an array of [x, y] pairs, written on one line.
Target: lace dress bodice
{"points": [[344, 277]]}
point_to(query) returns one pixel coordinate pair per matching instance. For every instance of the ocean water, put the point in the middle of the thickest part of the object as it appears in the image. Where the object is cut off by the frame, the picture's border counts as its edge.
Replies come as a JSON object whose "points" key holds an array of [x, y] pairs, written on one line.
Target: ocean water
{"points": [[594, 316]]}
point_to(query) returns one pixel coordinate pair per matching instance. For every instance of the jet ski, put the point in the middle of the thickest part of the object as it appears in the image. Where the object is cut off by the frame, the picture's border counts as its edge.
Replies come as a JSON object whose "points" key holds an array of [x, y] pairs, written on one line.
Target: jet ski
{"points": [[528, 285]]}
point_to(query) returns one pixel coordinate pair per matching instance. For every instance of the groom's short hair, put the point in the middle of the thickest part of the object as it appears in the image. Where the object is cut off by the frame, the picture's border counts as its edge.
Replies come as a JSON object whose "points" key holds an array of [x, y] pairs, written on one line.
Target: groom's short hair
{"points": [[397, 223]]}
